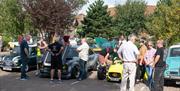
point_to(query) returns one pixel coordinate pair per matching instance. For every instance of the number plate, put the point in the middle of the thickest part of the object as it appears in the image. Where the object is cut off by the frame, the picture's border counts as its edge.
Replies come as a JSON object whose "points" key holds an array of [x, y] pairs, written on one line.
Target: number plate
{"points": [[114, 79], [7, 68], [178, 82]]}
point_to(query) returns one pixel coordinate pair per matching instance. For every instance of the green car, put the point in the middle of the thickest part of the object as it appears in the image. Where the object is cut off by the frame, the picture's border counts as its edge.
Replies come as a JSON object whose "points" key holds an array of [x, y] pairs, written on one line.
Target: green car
{"points": [[172, 72]]}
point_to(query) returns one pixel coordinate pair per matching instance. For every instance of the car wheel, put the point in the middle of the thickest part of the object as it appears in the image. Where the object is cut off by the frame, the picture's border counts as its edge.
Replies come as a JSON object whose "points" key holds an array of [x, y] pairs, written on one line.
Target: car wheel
{"points": [[101, 72], [75, 72], [100, 75]]}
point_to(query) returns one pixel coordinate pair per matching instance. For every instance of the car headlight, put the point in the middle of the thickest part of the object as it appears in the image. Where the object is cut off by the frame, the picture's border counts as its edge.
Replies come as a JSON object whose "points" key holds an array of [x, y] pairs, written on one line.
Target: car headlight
{"points": [[15, 61], [1, 62]]}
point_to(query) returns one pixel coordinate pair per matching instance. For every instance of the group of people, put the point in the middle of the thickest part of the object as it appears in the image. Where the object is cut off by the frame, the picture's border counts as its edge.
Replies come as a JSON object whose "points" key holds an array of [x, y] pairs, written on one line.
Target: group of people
{"points": [[135, 61], [55, 49], [138, 61]]}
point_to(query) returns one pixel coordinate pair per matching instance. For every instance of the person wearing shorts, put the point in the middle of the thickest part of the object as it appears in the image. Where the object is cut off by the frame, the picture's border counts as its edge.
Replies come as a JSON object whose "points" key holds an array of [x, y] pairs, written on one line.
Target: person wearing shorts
{"points": [[56, 61]]}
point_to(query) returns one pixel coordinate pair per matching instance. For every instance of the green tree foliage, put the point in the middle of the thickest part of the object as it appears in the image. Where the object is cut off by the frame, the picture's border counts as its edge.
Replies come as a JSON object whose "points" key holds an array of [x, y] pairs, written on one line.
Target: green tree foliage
{"points": [[13, 20], [97, 23], [130, 17], [165, 22]]}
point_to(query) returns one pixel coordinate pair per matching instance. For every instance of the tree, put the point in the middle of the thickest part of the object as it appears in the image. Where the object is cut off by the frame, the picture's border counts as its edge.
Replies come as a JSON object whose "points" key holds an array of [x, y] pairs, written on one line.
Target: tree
{"points": [[52, 15], [130, 17], [164, 23], [13, 20], [97, 23]]}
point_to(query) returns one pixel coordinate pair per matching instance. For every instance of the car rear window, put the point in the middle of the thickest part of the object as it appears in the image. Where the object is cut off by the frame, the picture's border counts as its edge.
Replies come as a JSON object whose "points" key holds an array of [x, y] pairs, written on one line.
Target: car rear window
{"points": [[175, 52]]}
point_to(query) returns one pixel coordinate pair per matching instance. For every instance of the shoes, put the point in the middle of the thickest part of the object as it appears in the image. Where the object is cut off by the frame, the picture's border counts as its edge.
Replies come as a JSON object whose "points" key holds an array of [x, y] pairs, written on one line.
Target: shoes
{"points": [[59, 81], [23, 79], [79, 79], [37, 73], [27, 77], [51, 81], [138, 81]]}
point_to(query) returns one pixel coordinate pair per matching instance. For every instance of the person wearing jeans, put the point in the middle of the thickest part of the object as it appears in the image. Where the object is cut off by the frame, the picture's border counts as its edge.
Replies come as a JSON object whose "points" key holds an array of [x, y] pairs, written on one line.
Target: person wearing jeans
{"points": [[83, 50], [159, 66], [83, 71], [23, 68], [149, 56], [24, 53]]}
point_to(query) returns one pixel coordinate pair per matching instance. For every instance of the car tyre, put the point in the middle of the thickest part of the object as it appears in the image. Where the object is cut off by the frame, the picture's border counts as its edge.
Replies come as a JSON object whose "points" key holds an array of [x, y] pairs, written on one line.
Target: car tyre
{"points": [[101, 72], [75, 72]]}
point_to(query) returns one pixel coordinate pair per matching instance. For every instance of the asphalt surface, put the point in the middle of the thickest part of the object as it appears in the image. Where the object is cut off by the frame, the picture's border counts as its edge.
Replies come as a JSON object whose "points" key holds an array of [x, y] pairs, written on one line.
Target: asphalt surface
{"points": [[9, 81]]}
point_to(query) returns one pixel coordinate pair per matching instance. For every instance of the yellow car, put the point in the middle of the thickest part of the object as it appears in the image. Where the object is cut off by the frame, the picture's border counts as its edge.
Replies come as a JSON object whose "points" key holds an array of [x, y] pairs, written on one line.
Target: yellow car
{"points": [[114, 72]]}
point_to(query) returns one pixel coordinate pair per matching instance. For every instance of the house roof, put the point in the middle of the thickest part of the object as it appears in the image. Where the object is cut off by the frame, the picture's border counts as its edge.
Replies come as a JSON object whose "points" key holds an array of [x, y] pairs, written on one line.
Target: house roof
{"points": [[150, 9], [112, 11]]}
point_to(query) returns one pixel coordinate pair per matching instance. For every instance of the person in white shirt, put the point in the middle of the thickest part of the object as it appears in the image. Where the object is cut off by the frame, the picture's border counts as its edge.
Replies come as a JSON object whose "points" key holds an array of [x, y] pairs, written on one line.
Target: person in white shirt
{"points": [[128, 53], [83, 50]]}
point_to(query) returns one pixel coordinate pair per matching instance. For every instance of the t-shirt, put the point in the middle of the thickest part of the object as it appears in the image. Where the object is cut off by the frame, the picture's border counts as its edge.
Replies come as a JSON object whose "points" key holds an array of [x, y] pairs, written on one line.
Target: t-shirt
{"points": [[84, 51], [129, 51], [160, 52], [55, 47], [23, 45], [150, 55]]}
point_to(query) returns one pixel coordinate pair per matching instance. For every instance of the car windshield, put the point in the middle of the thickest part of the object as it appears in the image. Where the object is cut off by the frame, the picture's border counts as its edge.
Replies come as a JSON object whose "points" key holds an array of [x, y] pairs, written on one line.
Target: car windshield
{"points": [[16, 50], [175, 52]]}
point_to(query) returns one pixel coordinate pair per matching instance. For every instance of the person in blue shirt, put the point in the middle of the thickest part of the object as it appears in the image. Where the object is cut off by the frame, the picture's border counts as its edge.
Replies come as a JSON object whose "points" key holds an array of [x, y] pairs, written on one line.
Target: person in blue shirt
{"points": [[24, 54]]}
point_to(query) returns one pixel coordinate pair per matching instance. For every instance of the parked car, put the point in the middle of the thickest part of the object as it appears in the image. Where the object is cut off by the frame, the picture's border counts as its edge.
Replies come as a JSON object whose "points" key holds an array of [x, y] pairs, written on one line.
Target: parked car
{"points": [[172, 72], [110, 73], [12, 62], [70, 61], [114, 72]]}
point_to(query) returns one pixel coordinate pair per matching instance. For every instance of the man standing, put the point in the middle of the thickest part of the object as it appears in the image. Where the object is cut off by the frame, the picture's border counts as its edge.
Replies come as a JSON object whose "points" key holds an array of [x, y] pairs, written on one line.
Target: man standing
{"points": [[83, 50], [159, 65], [56, 61], [24, 53], [129, 55]]}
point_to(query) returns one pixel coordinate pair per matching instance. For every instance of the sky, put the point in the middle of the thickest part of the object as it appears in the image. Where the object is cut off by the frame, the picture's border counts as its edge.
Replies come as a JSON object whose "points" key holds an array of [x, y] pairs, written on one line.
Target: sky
{"points": [[111, 3]]}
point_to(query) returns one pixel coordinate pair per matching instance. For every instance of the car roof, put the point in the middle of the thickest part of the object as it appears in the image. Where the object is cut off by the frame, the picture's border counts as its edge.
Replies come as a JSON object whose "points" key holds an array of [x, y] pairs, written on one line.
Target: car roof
{"points": [[17, 44], [175, 46]]}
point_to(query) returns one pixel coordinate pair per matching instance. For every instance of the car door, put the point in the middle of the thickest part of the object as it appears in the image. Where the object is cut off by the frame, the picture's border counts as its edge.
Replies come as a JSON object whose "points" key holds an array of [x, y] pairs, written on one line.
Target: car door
{"points": [[92, 60], [32, 56]]}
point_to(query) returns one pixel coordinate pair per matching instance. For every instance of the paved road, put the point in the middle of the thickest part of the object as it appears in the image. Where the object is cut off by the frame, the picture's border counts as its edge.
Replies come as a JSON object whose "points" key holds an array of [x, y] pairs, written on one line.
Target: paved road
{"points": [[9, 81]]}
